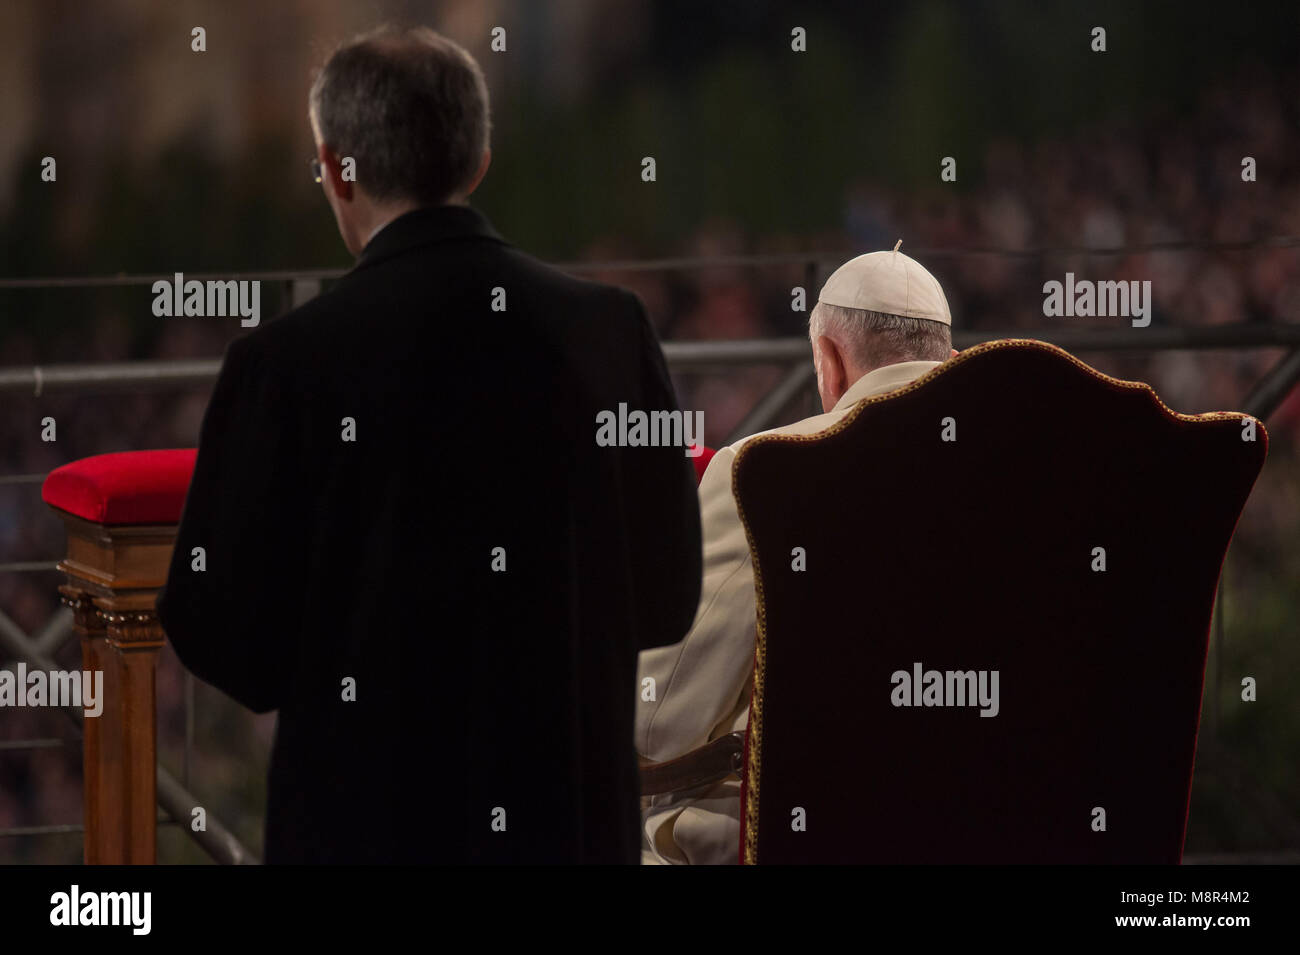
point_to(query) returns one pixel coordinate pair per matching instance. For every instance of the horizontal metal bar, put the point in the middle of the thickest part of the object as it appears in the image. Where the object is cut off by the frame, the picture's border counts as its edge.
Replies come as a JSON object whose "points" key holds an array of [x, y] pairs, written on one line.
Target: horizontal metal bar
{"points": [[58, 829], [126, 281], [691, 355], [1155, 338], [12, 745], [127, 374], [41, 830], [22, 479], [27, 566], [678, 263], [751, 351]]}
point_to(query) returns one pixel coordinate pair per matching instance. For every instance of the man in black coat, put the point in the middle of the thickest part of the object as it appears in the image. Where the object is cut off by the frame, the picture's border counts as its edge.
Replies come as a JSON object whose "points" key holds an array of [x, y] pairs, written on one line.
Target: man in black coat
{"points": [[402, 531]]}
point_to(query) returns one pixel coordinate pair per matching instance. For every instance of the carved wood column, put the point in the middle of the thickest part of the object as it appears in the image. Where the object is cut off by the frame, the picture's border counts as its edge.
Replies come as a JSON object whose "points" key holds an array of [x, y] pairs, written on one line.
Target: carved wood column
{"points": [[135, 637], [113, 575], [100, 750]]}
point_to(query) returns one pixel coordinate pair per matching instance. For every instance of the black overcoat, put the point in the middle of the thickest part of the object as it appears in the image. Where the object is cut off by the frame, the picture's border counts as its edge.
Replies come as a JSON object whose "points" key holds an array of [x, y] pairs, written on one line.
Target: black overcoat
{"points": [[414, 548]]}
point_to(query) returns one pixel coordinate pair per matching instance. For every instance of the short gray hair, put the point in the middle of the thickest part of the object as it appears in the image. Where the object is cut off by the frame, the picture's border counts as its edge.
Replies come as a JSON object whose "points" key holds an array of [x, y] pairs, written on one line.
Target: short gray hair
{"points": [[875, 339], [410, 106]]}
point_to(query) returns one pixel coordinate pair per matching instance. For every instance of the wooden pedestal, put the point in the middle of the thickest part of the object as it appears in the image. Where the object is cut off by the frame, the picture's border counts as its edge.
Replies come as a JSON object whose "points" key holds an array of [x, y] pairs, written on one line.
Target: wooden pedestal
{"points": [[113, 575]]}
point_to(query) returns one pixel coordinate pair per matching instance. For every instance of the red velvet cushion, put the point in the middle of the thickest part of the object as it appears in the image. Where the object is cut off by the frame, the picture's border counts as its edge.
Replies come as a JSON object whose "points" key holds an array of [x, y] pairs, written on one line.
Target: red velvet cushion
{"points": [[129, 487], [702, 463]]}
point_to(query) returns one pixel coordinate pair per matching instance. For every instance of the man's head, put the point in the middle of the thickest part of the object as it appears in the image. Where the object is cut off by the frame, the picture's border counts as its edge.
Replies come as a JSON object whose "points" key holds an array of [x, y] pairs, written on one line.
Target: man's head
{"points": [[878, 309], [410, 108]]}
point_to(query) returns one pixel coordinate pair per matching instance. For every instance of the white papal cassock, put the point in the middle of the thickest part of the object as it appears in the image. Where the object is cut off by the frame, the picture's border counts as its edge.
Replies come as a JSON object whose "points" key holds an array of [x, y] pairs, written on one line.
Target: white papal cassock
{"points": [[702, 684]]}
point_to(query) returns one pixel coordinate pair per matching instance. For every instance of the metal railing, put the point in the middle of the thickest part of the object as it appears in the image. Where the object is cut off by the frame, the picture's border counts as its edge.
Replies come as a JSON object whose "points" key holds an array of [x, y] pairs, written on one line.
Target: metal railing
{"points": [[173, 798]]}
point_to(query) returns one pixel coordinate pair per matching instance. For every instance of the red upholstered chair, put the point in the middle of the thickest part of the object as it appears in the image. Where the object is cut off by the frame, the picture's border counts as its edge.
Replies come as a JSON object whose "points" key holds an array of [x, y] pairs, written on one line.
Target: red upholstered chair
{"points": [[120, 512], [981, 554]]}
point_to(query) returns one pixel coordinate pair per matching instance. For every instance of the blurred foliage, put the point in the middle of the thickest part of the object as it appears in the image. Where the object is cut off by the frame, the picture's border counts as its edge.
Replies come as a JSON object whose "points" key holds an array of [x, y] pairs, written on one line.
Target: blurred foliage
{"points": [[1247, 783]]}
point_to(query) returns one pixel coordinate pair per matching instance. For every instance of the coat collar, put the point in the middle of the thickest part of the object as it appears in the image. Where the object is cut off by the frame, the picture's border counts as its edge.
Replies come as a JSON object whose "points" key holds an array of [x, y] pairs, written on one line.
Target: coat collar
{"points": [[884, 379], [422, 227]]}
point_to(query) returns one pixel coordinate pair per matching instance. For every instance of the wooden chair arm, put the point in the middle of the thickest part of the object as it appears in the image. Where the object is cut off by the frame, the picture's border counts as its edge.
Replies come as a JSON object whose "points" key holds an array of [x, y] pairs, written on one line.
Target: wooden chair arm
{"points": [[709, 763]]}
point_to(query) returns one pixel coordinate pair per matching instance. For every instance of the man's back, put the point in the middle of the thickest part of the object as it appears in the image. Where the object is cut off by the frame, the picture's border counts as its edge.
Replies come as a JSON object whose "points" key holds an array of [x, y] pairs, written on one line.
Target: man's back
{"points": [[432, 569]]}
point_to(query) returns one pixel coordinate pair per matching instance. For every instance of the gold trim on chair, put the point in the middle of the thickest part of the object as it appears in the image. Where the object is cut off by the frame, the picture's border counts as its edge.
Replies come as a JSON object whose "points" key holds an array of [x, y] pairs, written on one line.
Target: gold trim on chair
{"points": [[753, 765]]}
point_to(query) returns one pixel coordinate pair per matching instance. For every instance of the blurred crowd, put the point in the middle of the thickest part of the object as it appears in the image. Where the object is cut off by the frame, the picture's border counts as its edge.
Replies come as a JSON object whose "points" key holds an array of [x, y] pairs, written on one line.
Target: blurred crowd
{"points": [[1117, 186], [1122, 185]]}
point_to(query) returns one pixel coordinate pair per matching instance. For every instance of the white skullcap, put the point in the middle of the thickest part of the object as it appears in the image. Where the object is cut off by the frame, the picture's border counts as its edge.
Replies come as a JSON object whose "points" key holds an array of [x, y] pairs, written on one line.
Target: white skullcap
{"points": [[889, 282]]}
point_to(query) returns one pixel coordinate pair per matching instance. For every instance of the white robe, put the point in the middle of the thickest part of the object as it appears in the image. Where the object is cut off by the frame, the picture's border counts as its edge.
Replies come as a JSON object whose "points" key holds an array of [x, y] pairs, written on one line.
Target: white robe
{"points": [[702, 684]]}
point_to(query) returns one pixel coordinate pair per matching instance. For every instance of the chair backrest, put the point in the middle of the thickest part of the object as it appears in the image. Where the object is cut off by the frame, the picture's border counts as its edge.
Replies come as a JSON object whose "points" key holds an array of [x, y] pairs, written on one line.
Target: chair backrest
{"points": [[1013, 515]]}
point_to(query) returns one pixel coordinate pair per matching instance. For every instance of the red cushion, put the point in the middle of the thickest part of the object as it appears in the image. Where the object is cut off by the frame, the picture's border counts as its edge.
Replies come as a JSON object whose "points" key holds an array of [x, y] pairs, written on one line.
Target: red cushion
{"points": [[702, 463], [129, 487]]}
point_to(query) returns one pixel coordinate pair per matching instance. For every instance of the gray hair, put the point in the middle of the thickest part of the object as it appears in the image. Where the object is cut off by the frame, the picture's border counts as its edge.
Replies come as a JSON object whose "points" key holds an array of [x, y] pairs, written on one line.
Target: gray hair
{"points": [[410, 106], [875, 339]]}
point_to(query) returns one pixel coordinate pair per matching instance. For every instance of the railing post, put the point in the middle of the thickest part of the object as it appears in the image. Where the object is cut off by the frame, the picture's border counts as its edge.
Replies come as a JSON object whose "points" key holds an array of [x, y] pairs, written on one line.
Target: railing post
{"points": [[113, 576]]}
